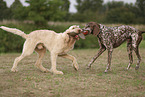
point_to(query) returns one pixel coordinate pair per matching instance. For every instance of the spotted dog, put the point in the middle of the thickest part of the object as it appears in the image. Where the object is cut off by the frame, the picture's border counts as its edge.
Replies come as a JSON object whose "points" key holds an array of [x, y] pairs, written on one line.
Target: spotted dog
{"points": [[113, 37]]}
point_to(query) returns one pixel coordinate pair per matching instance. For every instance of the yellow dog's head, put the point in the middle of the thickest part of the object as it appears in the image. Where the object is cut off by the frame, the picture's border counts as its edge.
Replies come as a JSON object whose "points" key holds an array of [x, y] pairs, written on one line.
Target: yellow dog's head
{"points": [[76, 32]]}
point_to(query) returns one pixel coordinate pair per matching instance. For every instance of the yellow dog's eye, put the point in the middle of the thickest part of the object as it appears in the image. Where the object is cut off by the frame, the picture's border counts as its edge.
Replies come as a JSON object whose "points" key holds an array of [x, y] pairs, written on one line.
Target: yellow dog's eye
{"points": [[73, 27]]}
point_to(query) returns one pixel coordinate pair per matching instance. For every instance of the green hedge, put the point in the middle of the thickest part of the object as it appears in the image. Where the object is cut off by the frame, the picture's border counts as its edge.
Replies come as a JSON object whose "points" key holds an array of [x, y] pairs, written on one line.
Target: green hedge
{"points": [[14, 43]]}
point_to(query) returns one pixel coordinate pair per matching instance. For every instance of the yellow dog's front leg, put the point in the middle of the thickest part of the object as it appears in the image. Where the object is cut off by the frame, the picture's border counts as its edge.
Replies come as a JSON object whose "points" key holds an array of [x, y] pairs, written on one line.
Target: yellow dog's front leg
{"points": [[75, 64], [53, 64]]}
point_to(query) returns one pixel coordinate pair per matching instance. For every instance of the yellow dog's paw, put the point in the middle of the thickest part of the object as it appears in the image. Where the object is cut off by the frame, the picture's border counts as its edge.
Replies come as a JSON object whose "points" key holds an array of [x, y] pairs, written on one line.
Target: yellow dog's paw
{"points": [[56, 72], [76, 66], [46, 71], [14, 70]]}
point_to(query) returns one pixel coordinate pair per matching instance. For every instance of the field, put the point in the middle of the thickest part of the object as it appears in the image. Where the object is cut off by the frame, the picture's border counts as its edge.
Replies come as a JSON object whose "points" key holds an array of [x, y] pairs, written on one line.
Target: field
{"points": [[6, 38], [30, 82]]}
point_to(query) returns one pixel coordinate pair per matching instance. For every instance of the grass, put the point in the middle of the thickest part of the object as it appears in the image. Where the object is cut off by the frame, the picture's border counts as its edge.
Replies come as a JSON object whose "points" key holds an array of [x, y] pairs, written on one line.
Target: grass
{"points": [[30, 82]]}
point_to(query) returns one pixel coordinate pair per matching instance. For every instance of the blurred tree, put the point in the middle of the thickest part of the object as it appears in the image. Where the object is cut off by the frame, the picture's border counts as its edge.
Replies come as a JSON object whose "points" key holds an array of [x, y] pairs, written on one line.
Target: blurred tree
{"points": [[113, 5], [16, 4], [141, 6], [141, 11], [47, 10], [5, 12], [120, 15], [65, 6], [18, 10], [87, 10], [37, 11], [118, 12], [57, 10], [92, 5]]}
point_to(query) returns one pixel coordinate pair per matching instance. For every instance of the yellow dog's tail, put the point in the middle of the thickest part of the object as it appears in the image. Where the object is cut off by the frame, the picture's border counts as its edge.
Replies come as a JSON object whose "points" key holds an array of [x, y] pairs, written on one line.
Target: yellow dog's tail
{"points": [[15, 31]]}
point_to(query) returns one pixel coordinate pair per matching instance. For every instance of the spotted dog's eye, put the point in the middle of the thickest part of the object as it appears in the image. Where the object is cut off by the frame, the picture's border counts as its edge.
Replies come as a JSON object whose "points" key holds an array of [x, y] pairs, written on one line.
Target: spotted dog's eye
{"points": [[87, 25]]}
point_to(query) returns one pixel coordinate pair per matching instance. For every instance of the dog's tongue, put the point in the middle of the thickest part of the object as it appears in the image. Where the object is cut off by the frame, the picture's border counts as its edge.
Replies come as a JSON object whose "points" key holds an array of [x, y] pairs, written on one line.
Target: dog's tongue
{"points": [[85, 32], [81, 35], [76, 36]]}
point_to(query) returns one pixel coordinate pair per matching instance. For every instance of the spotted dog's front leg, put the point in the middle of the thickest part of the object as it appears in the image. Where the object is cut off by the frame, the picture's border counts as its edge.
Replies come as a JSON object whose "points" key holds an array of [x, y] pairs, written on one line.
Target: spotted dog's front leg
{"points": [[109, 60], [101, 50]]}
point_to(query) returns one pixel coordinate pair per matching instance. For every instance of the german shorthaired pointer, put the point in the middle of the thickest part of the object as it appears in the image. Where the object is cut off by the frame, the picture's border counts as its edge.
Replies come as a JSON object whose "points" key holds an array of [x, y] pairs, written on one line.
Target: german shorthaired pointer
{"points": [[112, 37]]}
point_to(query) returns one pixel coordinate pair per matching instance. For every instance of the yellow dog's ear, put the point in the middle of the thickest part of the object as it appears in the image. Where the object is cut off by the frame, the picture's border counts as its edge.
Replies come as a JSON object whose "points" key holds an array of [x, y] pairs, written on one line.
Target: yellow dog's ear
{"points": [[73, 34], [78, 26]]}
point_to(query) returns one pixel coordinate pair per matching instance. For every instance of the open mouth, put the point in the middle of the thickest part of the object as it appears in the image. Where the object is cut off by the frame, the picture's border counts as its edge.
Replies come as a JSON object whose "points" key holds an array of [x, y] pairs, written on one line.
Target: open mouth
{"points": [[86, 31], [77, 35]]}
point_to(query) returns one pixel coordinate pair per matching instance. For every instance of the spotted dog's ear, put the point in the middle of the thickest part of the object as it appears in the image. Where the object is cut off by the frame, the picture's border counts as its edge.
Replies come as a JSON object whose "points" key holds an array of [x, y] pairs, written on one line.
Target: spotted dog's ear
{"points": [[96, 29]]}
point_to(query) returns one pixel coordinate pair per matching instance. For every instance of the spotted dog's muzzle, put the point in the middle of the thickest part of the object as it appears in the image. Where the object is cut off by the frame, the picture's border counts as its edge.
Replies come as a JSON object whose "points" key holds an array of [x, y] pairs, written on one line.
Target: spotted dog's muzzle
{"points": [[86, 31]]}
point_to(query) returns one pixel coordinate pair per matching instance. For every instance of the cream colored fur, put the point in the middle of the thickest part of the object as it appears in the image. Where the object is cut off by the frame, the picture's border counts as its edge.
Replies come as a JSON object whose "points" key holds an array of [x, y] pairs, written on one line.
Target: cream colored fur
{"points": [[41, 40]]}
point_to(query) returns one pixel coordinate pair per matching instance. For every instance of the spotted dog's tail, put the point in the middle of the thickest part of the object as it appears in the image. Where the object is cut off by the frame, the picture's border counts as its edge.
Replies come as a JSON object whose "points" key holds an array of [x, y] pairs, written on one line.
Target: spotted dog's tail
{"points": [[142, 31], [15, 31]]}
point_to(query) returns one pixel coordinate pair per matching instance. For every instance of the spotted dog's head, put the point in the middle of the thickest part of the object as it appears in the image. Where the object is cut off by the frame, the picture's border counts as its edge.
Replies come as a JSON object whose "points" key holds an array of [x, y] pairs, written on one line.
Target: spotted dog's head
{"points": [[91, 28], [75, 32]]}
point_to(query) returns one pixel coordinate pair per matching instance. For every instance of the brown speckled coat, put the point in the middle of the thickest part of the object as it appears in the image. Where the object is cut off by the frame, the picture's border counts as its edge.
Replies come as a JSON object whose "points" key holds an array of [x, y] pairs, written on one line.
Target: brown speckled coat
{"points": [[112, 37]]}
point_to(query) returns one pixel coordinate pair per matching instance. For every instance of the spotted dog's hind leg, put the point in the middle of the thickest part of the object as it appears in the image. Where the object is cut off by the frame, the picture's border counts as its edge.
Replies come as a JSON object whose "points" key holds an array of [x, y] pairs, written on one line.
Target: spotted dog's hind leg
{"points": [[129, 50], [138, 56], [136, 39]]}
